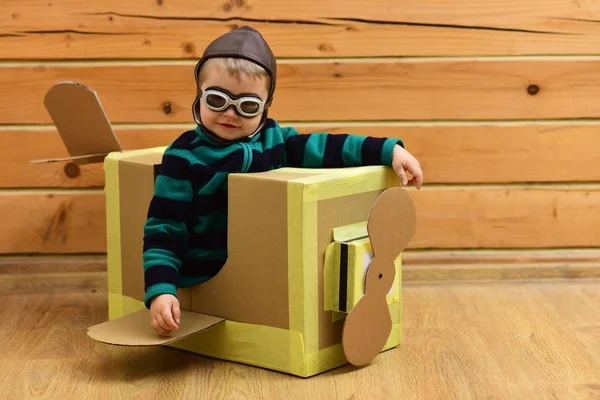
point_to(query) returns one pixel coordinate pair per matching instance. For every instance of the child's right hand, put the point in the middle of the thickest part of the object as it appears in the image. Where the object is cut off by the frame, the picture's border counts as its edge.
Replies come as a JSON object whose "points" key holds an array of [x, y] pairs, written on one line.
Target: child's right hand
{"points": [[164, 313], [403, 161]]}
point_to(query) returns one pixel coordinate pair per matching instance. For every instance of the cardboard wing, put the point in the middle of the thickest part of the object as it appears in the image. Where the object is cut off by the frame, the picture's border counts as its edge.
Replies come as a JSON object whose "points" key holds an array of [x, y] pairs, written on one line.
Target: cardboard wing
{"points": [[81, 122], [135, 329]]}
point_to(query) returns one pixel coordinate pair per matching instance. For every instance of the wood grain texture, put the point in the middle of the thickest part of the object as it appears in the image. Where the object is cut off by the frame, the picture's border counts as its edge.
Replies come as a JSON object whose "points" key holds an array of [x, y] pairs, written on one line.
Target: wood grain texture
{"points": [[312, 90], [499, 13], [52, 222], [488, 341], [53, 283], [427, 275], [417, 257], [33, 265], [53, 274], [468, 217], [422, 267], [505, 217], [87, 273], [181, 29], [486, 153]]}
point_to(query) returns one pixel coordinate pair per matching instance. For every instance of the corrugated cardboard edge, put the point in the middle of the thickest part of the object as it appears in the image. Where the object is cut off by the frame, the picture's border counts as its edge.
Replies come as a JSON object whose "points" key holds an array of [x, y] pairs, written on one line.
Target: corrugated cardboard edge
{"points": [[135, 329]]}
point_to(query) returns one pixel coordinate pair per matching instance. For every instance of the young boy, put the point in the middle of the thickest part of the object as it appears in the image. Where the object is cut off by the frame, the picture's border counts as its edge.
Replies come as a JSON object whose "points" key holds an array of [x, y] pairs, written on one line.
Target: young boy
{"points": [[185, 235]]}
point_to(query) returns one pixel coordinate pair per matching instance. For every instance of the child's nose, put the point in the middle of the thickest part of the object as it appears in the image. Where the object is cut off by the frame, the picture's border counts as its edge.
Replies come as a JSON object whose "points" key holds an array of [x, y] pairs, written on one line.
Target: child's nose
{"points": [[230, 112]]}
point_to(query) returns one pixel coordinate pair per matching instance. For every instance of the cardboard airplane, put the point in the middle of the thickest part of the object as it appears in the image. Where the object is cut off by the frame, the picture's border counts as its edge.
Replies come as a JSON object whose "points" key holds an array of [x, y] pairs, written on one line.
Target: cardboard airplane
{"points": [[309, 335]]}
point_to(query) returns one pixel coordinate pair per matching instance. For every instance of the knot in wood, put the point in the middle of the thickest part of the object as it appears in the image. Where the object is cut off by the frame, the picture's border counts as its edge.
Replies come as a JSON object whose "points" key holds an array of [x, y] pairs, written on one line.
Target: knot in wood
{"points": [[533, 89], [167, 109], [72, 170], [189, 47]]}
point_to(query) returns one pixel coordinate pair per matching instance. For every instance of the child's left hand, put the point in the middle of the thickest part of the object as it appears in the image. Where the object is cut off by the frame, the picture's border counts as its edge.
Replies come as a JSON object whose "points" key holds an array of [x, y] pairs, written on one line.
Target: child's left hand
{"points": [[403, 161]]}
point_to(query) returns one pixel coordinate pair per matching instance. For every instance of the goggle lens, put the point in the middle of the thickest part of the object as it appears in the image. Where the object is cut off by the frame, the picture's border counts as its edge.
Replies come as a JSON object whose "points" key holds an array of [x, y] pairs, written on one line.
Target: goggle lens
{"points": [[215, 101], [250, 107]]}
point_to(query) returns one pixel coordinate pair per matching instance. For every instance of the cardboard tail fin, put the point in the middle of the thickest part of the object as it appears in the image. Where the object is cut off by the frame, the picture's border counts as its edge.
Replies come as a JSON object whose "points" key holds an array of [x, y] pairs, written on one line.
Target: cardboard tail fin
{"points": [[81, 122]]}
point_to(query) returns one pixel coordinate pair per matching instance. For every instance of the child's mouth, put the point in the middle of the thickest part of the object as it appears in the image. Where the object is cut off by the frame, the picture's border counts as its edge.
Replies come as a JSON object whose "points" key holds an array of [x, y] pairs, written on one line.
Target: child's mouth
{"points": [[230, 126]]}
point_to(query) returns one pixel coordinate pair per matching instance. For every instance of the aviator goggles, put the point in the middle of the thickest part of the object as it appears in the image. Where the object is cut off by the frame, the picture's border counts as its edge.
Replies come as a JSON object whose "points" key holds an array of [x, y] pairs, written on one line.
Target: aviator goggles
{"points": [[246, 105]]}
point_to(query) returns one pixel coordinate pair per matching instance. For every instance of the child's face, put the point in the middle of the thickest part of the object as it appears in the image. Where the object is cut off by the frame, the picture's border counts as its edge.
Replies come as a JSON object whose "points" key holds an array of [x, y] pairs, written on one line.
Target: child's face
{"points": [[228, 124]]}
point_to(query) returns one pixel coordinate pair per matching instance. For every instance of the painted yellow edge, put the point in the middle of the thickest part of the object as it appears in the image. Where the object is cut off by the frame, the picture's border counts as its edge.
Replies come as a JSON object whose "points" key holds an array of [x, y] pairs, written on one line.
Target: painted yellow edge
{"points": [[113, 234], [340, 182], [295, 260], [330, 271], [302, 261], [123, 305], [350, 232], [354, 289], [310, 275], [336, 276], [262, 346], [134, 153]]}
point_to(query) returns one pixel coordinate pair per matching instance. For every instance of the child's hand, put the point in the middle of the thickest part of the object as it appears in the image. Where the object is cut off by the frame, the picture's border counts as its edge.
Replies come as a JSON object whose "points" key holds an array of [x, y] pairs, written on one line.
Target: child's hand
{"points": [[164, 313], [403, 161]]}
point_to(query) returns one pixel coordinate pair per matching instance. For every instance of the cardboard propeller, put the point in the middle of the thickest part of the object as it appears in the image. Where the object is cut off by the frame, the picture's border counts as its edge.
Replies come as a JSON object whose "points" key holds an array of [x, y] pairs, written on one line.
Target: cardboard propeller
{"points": [[81, 122], [368, 325]]}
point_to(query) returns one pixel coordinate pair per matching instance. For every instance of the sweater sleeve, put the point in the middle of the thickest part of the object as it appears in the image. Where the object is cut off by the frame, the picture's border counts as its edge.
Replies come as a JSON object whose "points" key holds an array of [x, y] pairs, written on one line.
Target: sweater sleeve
{"points": [[326, 150], [165, 232]]}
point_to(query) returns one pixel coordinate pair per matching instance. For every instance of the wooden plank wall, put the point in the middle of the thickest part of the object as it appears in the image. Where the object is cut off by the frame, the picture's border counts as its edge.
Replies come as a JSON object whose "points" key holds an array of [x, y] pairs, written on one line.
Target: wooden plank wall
{"points": [[497, 99]]}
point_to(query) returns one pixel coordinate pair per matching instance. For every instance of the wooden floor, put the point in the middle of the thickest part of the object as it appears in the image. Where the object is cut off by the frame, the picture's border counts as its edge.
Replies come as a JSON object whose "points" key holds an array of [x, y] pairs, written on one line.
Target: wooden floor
{"points": [[472, 341]]}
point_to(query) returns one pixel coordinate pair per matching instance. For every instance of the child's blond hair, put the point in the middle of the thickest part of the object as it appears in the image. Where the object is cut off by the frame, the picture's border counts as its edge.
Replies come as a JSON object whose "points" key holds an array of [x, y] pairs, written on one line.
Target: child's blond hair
{"points": [[235, 67]]}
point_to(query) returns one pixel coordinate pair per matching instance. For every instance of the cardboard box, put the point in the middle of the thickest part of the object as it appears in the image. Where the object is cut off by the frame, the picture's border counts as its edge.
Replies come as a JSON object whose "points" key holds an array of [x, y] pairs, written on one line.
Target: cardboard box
{"points": [[272, 305], [271, 292]]}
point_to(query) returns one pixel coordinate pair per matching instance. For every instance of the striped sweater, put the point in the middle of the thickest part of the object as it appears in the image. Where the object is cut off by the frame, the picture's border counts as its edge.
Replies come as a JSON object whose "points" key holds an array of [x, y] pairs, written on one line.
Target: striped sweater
{"points": [[185, 234]]}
